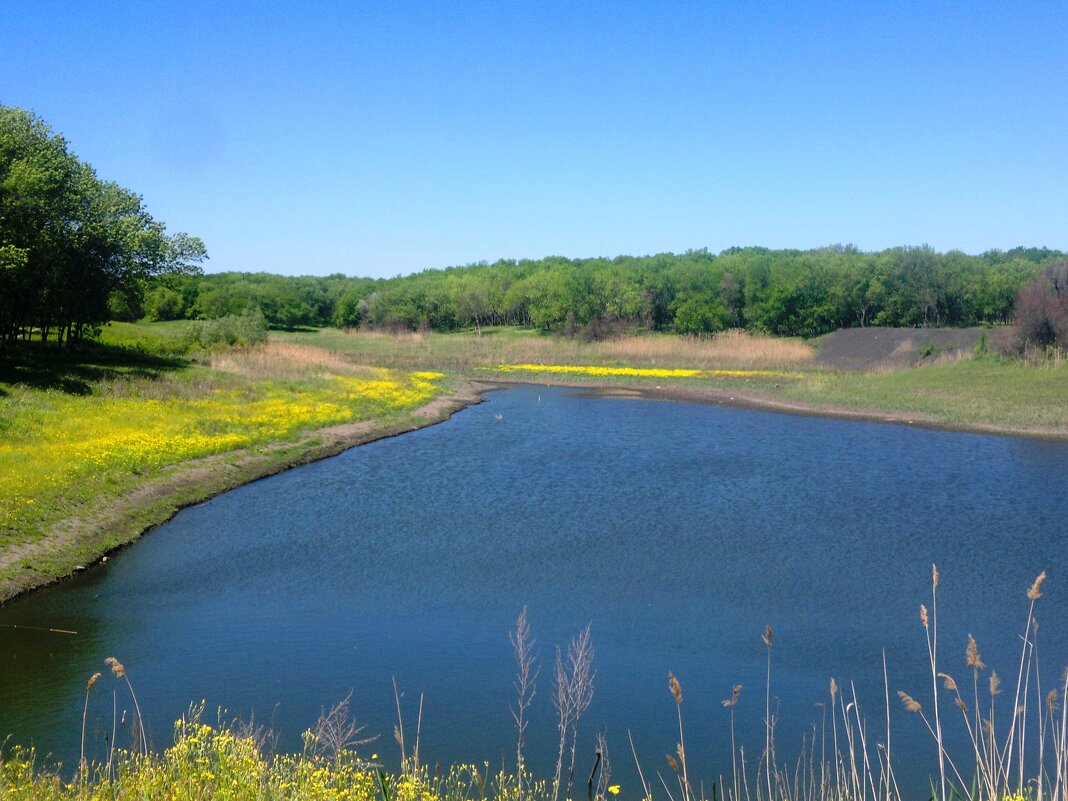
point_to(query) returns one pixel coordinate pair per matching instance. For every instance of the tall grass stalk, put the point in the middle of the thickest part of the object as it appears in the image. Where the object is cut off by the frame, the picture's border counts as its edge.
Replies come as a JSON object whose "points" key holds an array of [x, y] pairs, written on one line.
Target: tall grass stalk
{"points": [[1033, 594], [676, 692], [119, 671], [932, 652], [82, 765], [767, 714], [526, 680], [730, 703], [573, 693]]}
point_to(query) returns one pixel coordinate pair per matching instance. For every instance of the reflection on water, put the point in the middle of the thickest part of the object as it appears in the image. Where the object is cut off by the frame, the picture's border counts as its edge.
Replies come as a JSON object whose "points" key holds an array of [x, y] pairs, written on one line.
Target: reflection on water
{"points": [[678, 530]]}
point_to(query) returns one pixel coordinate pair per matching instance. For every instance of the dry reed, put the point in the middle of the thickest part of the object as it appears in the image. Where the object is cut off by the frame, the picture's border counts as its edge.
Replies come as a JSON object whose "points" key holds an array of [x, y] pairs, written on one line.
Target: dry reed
{"points": [[526, 680], [280, 360], [461, 352]]}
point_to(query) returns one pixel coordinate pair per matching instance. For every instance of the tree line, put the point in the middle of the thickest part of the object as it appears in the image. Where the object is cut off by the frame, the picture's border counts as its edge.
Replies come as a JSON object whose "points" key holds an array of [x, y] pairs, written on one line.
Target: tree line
{"points": [[783, 292], [74, 250]]}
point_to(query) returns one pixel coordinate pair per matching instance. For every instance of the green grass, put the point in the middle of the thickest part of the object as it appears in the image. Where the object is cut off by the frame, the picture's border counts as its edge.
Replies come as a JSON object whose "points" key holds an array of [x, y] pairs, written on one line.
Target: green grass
{"points": [[996, 394]]}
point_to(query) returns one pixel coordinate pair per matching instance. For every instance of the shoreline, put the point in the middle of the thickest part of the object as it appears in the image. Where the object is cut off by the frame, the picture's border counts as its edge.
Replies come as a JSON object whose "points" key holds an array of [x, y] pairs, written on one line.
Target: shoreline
{"points": [[757, 401], [89, 536]]}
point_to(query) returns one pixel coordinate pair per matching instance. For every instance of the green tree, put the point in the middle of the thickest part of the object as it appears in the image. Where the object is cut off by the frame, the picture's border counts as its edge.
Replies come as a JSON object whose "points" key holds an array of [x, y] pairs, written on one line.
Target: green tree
{"points": [[75, 248]]}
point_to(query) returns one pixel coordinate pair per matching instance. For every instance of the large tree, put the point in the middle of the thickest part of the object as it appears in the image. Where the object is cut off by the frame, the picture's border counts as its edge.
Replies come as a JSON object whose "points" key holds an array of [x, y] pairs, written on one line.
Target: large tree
{"points": [[69, 241]]}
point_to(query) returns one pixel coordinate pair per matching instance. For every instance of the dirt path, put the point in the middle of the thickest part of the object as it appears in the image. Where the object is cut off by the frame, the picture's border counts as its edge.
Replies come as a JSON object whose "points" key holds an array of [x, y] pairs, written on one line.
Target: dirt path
{"points": [[72, 544]]}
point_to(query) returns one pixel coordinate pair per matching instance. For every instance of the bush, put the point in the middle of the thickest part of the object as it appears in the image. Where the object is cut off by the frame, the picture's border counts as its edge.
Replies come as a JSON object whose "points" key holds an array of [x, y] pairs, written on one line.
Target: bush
{"points": [[1042, 309], [241, 330]]}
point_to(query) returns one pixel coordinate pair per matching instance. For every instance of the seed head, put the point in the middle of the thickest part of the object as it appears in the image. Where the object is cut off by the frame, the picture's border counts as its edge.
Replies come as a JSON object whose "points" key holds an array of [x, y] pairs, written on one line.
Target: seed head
{"points": [[911, 704], [1036, 589], [963, 707], [923, 615], [92, 680], [934, 576], [676, 690], [949, 683], [834, 689], [1051, 701], [995, 683], [730, 702], [767, 636], [971, 654], [116, 667], [672, 763]]}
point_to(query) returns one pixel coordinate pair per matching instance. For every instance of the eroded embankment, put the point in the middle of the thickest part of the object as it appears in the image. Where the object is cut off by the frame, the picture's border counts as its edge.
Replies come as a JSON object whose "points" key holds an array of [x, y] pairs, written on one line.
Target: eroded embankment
{"points": [[112, 522]]}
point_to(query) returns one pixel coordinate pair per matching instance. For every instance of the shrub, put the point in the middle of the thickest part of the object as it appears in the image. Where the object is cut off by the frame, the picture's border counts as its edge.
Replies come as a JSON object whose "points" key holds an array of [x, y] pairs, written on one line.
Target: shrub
{"points": [[1042, 309], [241, 330]]}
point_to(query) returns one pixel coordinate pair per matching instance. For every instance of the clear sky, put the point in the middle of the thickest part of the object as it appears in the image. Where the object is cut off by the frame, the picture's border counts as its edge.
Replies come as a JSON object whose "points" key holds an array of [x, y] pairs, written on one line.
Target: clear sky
{"points": [[384, 138]]}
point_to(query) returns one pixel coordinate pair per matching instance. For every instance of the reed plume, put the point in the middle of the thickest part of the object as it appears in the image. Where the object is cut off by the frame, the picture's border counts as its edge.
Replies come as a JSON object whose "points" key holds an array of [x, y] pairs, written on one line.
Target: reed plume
{"points": [[1036, 589], [971, 654], [911, 704], [676, 692], [82, 765], [119, 671]]}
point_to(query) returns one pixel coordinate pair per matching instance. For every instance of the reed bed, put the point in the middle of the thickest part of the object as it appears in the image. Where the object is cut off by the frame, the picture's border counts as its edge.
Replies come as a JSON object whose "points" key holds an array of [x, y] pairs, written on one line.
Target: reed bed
{"points": [[1018, 734], [467, 352], [275, 360], [730, 348]]}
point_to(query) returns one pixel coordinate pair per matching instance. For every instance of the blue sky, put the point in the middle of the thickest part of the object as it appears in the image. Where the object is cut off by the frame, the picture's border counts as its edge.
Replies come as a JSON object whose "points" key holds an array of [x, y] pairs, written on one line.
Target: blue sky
{"points": [[385, 138]]}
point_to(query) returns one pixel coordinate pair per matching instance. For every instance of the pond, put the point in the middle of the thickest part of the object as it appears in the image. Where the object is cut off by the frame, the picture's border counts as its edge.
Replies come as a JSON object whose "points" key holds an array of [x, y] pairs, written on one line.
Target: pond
{"points": [[678, 531]]}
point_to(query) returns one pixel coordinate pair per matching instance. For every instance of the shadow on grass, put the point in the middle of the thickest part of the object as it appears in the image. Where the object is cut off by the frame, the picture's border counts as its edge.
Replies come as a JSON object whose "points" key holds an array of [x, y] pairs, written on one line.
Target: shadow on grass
{"points": [[43, 366], [296, 329]]}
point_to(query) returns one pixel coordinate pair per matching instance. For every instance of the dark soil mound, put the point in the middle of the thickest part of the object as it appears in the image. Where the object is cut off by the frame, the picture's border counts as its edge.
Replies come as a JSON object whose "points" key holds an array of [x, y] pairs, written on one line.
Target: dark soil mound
{"points": [[867, 349]]}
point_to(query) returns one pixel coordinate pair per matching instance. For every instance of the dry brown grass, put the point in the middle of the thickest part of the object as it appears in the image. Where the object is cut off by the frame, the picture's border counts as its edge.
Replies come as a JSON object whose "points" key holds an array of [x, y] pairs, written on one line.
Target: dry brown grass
{"points": [[286, 361], [736, 349], [461, 352]]}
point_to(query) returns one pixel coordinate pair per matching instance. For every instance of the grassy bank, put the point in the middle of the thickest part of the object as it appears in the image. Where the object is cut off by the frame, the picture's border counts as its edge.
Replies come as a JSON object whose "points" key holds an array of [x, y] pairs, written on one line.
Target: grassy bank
{"points": [[1005, 395], [97, 447]]}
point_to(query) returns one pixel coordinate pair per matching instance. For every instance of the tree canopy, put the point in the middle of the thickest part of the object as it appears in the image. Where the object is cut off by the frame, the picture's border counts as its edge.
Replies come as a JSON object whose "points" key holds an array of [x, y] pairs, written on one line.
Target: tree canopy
{"points": [[785, 292], [72, 246]]}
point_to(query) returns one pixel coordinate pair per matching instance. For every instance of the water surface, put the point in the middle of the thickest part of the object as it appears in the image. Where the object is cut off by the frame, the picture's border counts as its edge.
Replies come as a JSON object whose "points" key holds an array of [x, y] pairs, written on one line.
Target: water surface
{"points": [[677, 530]]}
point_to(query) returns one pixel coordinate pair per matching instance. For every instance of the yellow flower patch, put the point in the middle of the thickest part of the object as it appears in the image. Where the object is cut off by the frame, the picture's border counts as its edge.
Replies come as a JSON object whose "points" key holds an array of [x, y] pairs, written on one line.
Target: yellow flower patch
{"points": [[643, 372], [65, 442]]}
